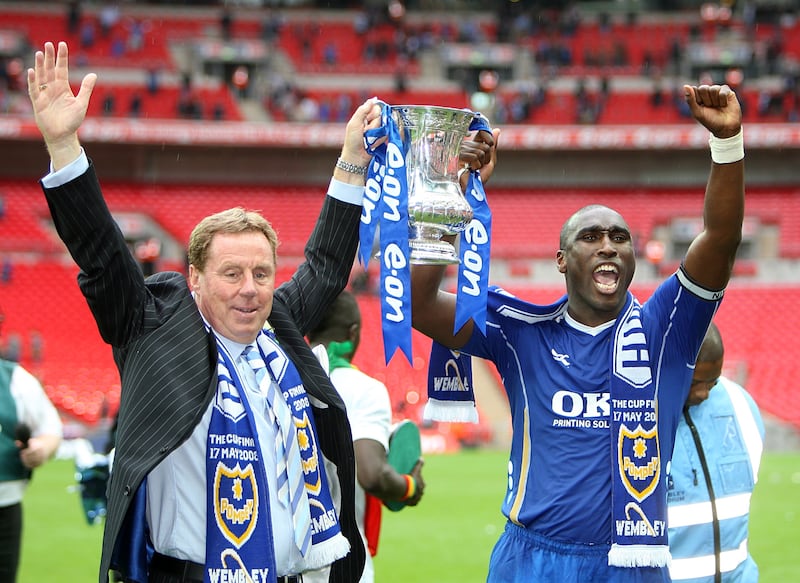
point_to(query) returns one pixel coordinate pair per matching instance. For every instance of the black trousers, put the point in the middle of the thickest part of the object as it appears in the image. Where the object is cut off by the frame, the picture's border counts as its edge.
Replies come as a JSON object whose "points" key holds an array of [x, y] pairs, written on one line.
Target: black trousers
{"points": [[10, 541]]}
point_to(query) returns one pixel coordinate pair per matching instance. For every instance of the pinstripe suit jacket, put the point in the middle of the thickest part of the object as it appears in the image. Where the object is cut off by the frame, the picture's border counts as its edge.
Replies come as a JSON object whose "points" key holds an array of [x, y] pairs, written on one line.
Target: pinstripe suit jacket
{"points": [[167, 360]]}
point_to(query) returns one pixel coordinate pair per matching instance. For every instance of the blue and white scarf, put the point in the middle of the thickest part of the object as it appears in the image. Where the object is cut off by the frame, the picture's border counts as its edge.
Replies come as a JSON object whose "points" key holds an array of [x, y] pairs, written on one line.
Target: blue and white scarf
{"points": [[638, 490], [386, 204], [638, 494], [239, 538], [451, 397]]}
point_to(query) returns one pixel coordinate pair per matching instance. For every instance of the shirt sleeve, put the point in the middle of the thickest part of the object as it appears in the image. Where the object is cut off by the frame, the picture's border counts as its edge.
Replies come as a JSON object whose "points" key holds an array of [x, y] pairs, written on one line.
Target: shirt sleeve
{"points": [[368, 405], [69, 172], [373, 421], [33, 406], [349, 193]]}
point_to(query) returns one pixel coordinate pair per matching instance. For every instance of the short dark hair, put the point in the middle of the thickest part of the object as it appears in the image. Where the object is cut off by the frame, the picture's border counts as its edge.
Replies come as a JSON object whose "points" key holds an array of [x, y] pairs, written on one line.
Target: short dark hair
{"points": [[569, 224], [712, 348], [340, 316]]}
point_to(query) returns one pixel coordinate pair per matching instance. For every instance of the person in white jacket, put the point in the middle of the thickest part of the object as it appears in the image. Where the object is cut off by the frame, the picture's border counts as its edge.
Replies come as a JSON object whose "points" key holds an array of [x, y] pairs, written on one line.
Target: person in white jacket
{"points": [[30, 434], [335, 341], [713, 471]]}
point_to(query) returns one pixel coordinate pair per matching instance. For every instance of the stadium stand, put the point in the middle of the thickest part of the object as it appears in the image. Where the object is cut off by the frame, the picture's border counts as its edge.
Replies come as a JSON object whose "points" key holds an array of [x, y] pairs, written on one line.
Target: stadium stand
{"points": [[318, 57], [197, 103]]}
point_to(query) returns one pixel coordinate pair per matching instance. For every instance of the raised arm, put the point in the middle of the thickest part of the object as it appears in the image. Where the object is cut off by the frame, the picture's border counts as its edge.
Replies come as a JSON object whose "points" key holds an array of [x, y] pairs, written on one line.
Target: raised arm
{"points": [[109, 277], [331, 248], [57, 111], [709, 260], [433, 310]]}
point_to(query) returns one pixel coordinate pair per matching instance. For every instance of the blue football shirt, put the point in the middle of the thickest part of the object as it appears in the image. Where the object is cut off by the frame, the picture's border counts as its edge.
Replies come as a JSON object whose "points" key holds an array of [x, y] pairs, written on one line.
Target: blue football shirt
{"points": [[557, 375]]}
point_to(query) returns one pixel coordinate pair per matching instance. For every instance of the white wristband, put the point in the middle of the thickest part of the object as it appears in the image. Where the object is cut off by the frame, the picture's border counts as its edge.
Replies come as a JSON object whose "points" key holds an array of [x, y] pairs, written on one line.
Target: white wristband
{"points": [[727, 150]]}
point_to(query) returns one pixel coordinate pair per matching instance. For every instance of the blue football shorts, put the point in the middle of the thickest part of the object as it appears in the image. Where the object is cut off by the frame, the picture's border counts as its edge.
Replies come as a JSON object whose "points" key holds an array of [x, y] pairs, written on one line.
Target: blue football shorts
{"points": [[522, 556]]}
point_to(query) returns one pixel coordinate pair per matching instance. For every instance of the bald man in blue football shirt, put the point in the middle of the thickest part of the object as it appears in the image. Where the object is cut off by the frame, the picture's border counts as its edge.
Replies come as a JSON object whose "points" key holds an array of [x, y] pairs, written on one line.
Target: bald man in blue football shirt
{"points": [[586, 489]]}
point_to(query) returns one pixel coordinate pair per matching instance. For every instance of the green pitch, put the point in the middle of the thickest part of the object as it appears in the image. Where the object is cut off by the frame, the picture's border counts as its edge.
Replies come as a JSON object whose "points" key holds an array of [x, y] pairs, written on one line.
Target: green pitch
{"points": [[447, 538]]}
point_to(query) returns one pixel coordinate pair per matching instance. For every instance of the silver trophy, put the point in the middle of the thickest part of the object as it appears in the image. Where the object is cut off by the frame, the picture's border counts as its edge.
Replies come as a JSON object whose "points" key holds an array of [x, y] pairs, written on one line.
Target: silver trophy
{"points": [[436, 204]]}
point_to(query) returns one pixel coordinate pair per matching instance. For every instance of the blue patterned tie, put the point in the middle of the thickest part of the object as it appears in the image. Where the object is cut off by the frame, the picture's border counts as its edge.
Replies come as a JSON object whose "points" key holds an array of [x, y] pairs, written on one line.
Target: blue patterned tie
{"points": [[291, 486]]}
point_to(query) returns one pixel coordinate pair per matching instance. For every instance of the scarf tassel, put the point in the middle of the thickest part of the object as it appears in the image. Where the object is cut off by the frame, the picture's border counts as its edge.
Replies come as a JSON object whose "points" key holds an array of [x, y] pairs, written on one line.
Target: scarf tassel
{"points": [[326, 552], [450, 411], [639, 556]]}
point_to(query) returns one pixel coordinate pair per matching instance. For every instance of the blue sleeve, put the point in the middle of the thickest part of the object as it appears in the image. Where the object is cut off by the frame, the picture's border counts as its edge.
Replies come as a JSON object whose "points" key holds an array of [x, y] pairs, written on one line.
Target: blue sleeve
{"points": [[678, 315]]}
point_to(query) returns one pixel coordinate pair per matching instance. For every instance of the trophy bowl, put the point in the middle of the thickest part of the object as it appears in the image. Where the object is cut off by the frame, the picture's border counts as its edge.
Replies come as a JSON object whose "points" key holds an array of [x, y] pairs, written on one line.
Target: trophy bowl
{"points": [[436, 204]]}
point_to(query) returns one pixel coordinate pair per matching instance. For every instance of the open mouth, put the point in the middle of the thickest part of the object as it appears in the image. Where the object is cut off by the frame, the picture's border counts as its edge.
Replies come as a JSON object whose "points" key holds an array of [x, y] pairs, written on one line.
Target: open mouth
{"points": [[606, 278]]}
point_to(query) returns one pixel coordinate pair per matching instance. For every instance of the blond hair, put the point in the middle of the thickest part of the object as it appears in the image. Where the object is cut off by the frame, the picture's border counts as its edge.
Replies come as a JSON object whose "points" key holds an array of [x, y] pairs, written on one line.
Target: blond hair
{"points": [[230, 221]]}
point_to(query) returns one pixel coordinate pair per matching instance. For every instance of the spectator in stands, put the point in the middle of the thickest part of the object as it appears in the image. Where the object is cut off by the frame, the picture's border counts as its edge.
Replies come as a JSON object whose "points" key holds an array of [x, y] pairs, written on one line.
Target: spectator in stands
{"points": [[109, 17], [619, 54], [774, 52], [117, 46], [226, 23], [135, 105], [109, 104], [73, 16], [344, 103], [400, 80], [648, 68], [604, 22], [7, 271], [14, 69], [153, 81], [30, 435], [137, 29], [240, 79], [218, 112], [271, 26], [13, 348], [88, 32], [713, 471], [680, 103], [675, 55], [369, 410], [587, 103], [36, 346], [192, 354], [189, 106], [4, 80], [330, 53], [306, 110], [657, 93], [361, 23], [596, 381]]}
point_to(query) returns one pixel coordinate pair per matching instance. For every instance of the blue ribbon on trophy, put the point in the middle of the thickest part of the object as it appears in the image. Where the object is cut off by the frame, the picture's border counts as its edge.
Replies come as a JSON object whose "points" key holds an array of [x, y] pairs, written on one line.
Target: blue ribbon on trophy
{"points": [[386, 203], [416, 166], [474, 248]]}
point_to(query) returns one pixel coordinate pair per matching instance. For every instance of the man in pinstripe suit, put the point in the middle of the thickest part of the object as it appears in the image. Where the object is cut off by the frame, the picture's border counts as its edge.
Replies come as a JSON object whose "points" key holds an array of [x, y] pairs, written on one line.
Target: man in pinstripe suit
{"points": [[169, 337]]}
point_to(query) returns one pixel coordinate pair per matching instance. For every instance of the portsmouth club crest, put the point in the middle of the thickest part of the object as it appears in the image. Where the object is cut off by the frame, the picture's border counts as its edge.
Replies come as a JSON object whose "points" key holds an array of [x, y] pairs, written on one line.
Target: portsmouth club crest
{"points": [[639, 460], [309, 453], [235, 502]]}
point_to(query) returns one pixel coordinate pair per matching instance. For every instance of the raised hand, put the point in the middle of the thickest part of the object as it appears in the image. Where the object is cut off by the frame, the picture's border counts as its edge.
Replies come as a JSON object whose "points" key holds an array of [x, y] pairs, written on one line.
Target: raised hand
{"points": [[57, 111], [479, 153], [716, 107]]}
